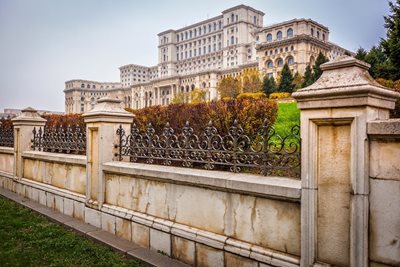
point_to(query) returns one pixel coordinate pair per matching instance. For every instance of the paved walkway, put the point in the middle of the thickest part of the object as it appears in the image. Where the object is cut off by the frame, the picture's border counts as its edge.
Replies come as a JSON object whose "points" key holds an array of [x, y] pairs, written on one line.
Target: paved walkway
{"points": [[146, 256]]}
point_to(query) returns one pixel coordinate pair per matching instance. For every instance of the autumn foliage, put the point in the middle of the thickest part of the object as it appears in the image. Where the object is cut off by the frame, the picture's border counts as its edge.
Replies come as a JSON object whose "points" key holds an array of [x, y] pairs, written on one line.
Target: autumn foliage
{"points": [[72, 120], [249, 113]]}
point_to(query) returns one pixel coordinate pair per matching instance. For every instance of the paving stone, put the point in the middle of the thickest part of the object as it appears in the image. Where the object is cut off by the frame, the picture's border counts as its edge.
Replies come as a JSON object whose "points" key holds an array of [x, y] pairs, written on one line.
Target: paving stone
{"points": [[81, 227], [116, 243]]}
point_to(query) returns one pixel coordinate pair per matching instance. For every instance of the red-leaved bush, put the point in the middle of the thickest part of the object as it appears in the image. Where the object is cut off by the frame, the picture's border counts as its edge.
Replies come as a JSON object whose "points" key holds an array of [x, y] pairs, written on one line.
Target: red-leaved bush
{"points": [[249, 113]]}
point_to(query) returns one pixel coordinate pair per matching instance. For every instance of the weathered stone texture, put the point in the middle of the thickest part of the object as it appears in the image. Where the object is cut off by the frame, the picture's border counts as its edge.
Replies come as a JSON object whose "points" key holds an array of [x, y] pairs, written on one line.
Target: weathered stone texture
{"points": [[65, 176], [334, 188], [385, 222], [384, 159], [160, 241], [266, 222], [183, 250]]}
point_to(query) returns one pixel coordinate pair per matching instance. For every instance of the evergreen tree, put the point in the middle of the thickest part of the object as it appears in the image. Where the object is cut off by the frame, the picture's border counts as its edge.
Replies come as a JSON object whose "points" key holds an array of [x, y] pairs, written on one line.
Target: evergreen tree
{"points": [[361, 54], [286, 81], [308, 77], [297, 81], [392, 44], [321, 59], [269, 85]]}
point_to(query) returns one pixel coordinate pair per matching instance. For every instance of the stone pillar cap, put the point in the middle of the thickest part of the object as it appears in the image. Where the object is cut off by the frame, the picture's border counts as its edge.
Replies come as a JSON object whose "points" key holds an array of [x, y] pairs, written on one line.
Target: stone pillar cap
{"points": [[28, 116], [108, 109], [345, 82]]}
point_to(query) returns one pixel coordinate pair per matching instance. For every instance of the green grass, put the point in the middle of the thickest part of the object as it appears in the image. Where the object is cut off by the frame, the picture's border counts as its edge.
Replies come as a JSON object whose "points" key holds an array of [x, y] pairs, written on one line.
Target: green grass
{"points": [[29, 239], [288, 116]]}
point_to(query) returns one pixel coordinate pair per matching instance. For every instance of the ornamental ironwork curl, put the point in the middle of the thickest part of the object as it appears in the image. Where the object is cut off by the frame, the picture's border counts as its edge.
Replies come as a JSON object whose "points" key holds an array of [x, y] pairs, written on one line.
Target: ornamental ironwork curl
{"points": [[69, 140], [266, 152], [6, 136]]}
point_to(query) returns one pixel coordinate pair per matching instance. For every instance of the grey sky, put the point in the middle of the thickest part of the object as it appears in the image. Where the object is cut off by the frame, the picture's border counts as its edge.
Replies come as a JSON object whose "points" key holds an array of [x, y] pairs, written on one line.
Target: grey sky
{"points": [[43, 43]]}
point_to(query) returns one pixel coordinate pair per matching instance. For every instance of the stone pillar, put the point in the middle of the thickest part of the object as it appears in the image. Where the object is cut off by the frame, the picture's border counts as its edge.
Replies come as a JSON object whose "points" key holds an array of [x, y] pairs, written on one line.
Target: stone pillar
{"points": [[102, 123], [335, 161], [23, 127]]}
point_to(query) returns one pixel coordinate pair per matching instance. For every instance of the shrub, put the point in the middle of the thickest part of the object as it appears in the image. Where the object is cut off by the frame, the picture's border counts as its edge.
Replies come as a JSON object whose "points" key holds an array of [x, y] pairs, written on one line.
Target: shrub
{"points": [[255, 96], [250, 114], [56, 120], [279, 95]]}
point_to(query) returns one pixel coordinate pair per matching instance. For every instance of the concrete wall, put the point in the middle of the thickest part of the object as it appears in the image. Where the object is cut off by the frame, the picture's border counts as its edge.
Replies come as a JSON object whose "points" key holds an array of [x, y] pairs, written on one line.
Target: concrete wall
{"points": [[7, 159], [384, 212], [62, 171]]}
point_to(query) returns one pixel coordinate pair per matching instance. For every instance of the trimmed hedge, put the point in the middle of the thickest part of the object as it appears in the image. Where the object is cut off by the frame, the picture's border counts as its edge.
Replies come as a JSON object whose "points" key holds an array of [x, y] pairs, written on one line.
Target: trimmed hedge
{"points": [[279, 95], [250, 114], [56, 120]]}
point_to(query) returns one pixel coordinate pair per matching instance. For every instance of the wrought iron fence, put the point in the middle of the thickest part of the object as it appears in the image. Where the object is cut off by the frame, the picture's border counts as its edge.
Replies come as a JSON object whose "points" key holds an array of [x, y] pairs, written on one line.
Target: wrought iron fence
{"points": [[71, 140], [266, 152], [6, 136]]}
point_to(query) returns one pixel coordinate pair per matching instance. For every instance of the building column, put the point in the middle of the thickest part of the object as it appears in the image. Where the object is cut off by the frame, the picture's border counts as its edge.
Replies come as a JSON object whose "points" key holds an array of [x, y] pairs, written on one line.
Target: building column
{"points": [[102, 123], [335, 161], [23, 134]]}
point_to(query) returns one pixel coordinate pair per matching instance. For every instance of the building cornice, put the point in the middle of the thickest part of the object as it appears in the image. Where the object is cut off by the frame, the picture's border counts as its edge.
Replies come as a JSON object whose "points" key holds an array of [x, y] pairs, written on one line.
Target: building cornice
{"points": [[293, 40], [284, 23], [245, 7]]}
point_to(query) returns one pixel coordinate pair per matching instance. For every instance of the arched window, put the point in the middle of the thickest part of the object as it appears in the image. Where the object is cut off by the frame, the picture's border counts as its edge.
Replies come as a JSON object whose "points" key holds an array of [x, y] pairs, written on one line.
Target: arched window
{"points": [[88, 86], [290, 32], [290, 60], [82, 85], [318, 34], [269, 37], [232, 40], [323, 36], [279, 62], [312, 32], [269, 64], [279, 35]]}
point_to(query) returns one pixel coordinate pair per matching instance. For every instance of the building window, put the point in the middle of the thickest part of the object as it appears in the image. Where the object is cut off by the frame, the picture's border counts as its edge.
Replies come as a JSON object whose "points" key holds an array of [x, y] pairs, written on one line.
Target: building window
{"points": [[199, 51], [195, 32], [318, 34], [232, 18], [186, 35], [323, 37], [312, 32], [290, 60], [279, 62], [237, 17], [177, 38], [232, 40], [269, 37], [204, 29], [82, 85], [269, 64], [254, 20], [290, 32], [220, 25], [279, 35], [199, 30]]}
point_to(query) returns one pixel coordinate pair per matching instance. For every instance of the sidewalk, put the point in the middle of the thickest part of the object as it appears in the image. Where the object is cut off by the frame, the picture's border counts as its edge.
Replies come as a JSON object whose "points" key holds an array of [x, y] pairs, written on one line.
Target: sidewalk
{"points": [[145, 256]]}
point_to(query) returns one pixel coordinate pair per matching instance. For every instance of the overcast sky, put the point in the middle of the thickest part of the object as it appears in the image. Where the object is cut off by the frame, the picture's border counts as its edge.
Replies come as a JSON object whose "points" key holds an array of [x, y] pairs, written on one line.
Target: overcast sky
{"points": [[43, 43]]}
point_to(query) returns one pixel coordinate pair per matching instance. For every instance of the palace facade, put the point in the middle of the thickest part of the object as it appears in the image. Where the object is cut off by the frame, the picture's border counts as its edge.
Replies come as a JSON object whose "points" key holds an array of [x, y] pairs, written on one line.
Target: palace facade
{"points": [[199, 55]]}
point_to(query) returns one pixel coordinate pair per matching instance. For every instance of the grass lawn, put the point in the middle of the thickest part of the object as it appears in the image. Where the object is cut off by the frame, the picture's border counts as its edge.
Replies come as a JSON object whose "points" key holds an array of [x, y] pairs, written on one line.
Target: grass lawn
{"points": [[288, 116], [29, 239]]}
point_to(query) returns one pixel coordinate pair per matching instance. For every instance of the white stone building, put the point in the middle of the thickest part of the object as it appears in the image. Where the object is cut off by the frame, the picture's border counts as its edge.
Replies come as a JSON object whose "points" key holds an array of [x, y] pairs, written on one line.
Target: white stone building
{"points": [[199, 55]]}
